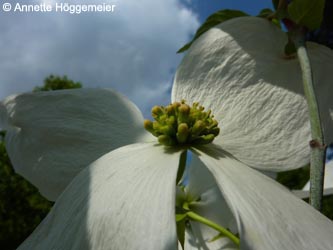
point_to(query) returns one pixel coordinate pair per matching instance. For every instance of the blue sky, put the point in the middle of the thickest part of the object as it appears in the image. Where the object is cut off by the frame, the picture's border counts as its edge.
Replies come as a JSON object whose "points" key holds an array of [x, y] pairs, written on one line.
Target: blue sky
{"points": [[132, 50], [206, 7]]}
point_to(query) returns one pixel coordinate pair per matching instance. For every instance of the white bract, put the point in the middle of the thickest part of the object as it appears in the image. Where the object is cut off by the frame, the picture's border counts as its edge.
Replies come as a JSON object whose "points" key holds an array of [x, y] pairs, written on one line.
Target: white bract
{"points": [[114, 185]]}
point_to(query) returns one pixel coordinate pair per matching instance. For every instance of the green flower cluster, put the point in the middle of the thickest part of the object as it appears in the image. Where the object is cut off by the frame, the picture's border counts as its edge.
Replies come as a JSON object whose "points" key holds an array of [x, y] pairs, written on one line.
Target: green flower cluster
{"points": [[180, 124]]}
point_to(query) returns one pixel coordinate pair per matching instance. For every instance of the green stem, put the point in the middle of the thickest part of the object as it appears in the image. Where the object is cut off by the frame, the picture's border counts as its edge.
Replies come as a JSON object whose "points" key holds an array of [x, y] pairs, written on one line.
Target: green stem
{"points": [[217, 227], [317, 160], [182, 165]]}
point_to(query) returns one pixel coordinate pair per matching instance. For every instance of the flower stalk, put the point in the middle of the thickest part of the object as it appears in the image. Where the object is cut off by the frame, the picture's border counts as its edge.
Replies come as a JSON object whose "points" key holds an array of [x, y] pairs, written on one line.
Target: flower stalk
{"points": [[317, 158], [223, 231]]}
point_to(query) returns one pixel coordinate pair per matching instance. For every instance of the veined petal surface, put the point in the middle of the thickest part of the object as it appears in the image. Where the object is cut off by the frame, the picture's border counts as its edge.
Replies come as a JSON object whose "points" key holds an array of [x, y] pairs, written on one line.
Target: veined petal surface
{"points": [[239, 71], [51, 136], [267, 214], [123, 201]]}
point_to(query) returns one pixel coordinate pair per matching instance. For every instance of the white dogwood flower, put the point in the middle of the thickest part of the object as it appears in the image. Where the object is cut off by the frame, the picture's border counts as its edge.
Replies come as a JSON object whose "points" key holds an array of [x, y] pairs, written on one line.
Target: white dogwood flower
{"points": [[115, 186]]}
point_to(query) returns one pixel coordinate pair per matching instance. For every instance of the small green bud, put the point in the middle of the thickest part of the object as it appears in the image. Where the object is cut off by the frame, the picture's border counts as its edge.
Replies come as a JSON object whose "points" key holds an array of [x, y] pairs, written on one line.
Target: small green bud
{"points": [[168, 130], [170, 110], [213, 123], [171, 120], [184, 109], [204, 139], [198, 127], [166, 140], [148, 125], [183, 113], [215, 131], [182, 133], [156, 126], [156, 111], [175, 105]]}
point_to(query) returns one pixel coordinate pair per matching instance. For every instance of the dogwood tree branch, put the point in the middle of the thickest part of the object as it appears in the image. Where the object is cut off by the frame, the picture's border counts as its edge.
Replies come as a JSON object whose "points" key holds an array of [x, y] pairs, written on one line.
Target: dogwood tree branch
{"points": [[317, 160]]}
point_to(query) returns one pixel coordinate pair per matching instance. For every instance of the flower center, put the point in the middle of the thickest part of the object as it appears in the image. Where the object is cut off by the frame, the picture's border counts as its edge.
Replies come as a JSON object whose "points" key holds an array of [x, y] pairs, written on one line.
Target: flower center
{"points": [[180, 124]]}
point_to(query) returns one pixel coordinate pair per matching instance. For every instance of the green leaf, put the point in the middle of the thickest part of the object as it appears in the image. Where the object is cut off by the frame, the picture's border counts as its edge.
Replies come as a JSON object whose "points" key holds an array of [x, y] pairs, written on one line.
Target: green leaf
{"points": [[308, 13], [213, 20]]}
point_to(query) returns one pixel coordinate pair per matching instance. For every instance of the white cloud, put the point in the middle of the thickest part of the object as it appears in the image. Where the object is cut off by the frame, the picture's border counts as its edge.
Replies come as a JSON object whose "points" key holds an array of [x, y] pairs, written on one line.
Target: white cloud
{"points": [[132, 50]]}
